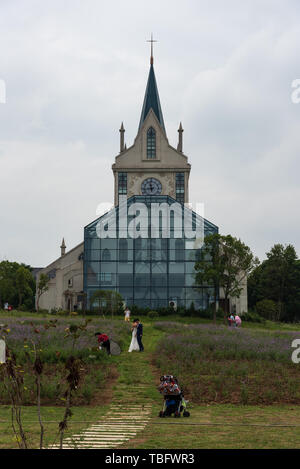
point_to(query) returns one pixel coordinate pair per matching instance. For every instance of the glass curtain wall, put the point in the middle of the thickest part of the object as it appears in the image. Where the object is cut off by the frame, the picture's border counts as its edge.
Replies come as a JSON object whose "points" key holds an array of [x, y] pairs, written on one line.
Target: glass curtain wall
{"points": [[148, 272]]}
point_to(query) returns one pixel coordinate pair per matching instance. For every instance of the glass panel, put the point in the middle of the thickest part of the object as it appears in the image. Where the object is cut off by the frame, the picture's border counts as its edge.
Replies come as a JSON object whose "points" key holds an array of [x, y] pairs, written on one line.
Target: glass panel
{"points": [[94, 267], [189, 280], [176, 280], [142, 293], [107, 278], [125, 280], [159, 280], [159, 268], [108, 266], [158, 293], [189, 267], [176, 267], [125, 267], [94, 243], [142, 280], [93, 255]]}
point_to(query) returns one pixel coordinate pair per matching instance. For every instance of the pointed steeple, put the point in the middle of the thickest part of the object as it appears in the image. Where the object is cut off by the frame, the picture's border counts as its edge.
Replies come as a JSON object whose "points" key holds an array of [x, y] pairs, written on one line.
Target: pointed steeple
{"points": [[151, 100]]}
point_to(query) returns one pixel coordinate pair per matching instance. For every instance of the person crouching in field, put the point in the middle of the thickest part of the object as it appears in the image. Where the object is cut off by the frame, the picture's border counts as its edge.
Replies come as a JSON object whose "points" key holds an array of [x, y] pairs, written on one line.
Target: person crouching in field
{"points": [[103, 341]]}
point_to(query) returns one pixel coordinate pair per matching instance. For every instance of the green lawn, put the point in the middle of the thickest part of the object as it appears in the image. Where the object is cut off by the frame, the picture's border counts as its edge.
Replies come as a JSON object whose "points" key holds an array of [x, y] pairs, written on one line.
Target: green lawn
{"points": [[224, 427], [82, 416]]}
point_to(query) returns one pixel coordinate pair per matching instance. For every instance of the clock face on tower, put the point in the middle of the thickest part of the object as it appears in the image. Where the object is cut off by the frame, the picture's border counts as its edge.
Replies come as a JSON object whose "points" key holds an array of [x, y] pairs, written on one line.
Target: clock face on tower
{"points": [[151, 186]]}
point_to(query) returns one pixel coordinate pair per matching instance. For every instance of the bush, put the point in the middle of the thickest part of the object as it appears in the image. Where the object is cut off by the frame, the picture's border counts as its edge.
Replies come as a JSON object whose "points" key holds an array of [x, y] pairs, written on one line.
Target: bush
{"points": [[267, 309], [252, 317], [152, 314], [206, 314]]}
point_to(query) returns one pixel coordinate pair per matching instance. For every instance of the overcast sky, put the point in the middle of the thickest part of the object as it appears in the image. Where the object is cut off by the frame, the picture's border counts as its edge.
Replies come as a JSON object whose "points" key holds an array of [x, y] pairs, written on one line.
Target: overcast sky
{"points": [[75, 69]]}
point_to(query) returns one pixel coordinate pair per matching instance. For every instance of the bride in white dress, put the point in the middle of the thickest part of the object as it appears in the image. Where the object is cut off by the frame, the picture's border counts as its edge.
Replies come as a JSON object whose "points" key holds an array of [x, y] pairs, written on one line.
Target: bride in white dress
{"points": [[134, 343]]}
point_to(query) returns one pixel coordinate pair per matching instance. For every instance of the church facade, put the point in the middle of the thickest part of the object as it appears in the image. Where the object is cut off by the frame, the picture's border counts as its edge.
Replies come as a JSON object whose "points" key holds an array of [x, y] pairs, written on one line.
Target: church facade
{"points": [[148, 267]]}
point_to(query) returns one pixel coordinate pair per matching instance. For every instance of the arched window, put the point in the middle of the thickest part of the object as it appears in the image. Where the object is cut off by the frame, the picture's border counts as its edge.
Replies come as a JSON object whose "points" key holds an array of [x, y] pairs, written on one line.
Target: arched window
{"points": [[106, 255], [151, 143]]}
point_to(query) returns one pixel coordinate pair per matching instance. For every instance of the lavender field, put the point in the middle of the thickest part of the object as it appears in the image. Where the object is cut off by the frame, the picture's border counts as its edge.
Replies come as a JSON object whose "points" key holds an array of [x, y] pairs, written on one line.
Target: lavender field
{"points": [[55, 346], [221, 364], [54, 343]]}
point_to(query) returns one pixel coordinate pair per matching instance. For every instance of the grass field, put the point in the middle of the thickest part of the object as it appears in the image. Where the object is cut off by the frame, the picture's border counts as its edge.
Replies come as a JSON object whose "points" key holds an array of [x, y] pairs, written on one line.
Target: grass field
{"points": [[211, 425]]}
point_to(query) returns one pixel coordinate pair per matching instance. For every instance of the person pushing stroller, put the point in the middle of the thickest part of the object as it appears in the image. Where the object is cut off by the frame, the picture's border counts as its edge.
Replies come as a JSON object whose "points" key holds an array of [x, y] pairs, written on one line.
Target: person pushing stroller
{"points": [[174, 402]]}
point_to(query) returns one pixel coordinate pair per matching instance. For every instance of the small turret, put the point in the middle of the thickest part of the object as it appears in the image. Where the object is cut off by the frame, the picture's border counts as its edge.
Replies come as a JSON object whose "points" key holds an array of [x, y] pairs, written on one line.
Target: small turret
{"points": [[63, 248], [122, 131], [180, 132]]}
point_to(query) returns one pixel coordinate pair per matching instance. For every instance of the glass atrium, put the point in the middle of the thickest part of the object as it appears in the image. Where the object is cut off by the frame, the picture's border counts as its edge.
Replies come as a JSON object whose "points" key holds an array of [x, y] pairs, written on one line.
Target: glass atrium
{"points": [[147, 271]]}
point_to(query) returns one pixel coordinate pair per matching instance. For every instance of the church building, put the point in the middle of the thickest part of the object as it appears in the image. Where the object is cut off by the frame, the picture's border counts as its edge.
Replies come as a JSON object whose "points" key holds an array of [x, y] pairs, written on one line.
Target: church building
{"points": [[148, 267]]}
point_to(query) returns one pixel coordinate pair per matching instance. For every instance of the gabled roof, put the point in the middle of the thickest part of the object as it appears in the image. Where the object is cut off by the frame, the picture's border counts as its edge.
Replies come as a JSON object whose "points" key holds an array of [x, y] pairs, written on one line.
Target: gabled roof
{"points": [[151, 100]]}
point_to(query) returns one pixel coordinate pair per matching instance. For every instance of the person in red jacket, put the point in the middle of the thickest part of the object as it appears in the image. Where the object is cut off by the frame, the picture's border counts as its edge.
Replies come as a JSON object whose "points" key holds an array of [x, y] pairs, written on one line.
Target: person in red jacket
{"points": [[103, 341]]}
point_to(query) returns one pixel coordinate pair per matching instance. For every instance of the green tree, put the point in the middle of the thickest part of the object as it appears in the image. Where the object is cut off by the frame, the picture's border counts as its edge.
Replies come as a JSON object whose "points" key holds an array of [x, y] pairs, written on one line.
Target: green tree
{"points": [[42, 287], [278, 279], [23, 284], [8, 284], [224, 262], [209, 267], [107, 300]]}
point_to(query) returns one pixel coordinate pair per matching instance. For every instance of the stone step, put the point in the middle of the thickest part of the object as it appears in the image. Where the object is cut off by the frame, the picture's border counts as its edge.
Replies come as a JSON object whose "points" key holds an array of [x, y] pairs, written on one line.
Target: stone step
{"points": [[118, 436]]}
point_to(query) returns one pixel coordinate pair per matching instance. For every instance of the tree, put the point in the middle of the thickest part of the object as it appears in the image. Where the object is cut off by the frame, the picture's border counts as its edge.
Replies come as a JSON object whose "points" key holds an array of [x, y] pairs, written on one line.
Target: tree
{"points": [[8, 284], [23, 283], [114, 301], [209, 267], [99, 296], [107, 300], [278, 279], [238, 263], [224, 263], [42, 287]]}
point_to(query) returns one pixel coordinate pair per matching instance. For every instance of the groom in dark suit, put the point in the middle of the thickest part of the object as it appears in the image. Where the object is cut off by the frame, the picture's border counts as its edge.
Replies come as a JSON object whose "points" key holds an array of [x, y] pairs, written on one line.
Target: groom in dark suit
{"points": [[139, 334]]}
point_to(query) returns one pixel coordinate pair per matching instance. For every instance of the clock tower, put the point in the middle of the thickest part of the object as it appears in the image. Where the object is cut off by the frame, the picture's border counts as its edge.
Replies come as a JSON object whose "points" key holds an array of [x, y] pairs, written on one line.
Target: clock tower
{"points": [[151, 166]]}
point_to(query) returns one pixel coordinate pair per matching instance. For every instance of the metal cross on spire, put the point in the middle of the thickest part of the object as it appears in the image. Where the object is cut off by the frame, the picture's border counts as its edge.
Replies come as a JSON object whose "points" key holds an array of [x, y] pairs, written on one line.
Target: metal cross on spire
{"points": [[151, 40]]}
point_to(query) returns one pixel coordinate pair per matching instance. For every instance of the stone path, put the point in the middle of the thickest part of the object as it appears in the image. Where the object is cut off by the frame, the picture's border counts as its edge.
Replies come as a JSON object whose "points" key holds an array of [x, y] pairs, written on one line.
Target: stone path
{"points": [[120, 424], [131, 405]]}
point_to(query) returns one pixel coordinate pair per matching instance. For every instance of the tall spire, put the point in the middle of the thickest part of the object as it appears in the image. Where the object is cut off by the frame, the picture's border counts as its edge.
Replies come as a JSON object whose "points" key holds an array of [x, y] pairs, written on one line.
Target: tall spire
{"points": [[151, 100]]}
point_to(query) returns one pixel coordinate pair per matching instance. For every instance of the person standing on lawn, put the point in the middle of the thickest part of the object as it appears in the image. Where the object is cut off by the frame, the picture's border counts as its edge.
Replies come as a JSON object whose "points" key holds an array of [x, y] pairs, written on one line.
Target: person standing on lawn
{"points": [[139, 334], [103, 341], [127, 314]]}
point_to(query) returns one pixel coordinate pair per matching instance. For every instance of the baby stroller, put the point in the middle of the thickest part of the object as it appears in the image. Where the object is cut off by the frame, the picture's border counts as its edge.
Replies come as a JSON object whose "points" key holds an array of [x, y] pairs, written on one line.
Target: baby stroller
{"points": [[174, 402]]}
